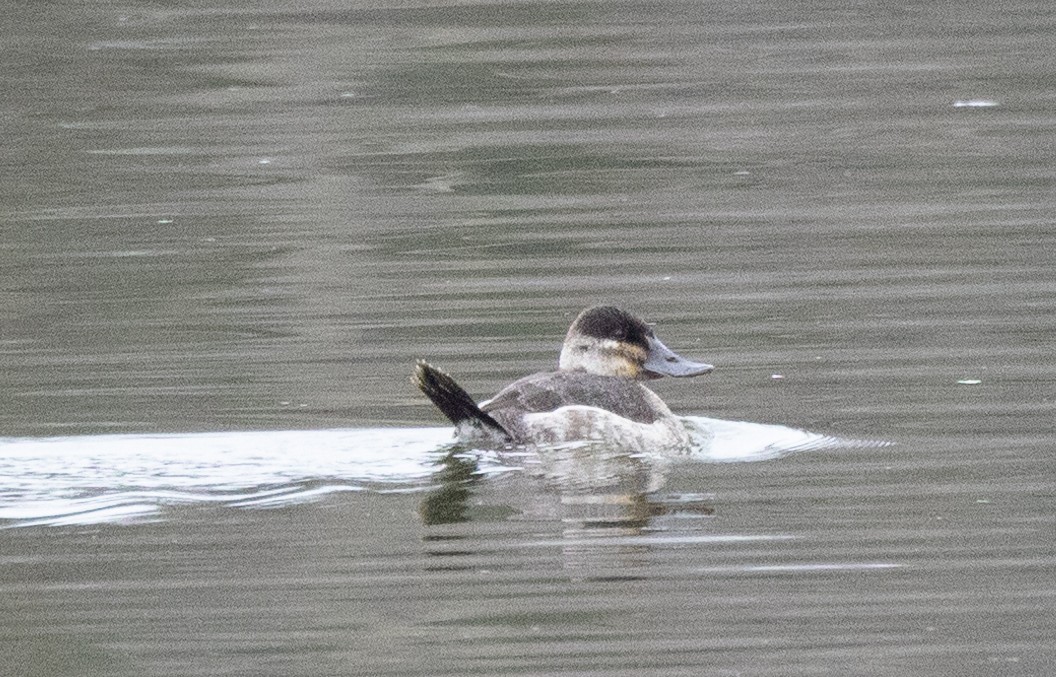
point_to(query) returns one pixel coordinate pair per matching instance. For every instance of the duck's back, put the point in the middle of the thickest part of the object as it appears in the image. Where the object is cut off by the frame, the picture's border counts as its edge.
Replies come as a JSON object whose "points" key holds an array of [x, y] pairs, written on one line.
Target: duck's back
{"points": [[549, 391]]}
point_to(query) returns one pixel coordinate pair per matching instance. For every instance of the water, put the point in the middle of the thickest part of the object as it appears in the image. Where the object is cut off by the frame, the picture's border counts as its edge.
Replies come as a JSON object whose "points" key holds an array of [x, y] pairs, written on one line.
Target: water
{"points": [[103, 478], [228, 232]]}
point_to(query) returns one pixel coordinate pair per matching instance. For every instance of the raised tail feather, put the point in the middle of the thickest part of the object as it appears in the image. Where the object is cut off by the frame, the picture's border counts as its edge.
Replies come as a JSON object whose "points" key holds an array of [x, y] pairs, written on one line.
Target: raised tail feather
{"points": [[454, 402]]}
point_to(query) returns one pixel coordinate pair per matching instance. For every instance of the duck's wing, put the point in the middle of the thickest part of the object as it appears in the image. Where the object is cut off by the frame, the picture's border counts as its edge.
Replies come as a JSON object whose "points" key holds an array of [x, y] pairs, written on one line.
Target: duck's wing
{"points": [[548, 391]]}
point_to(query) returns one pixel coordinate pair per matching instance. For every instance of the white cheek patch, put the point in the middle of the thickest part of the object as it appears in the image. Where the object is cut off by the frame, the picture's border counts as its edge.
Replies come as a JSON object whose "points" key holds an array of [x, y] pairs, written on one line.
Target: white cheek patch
{"points": [[597, 356], [596, 363]]}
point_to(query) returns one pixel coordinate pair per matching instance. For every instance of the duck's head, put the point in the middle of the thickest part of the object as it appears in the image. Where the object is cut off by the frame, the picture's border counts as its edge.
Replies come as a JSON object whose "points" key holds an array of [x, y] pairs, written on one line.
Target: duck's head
{"points": [[608, 341]]}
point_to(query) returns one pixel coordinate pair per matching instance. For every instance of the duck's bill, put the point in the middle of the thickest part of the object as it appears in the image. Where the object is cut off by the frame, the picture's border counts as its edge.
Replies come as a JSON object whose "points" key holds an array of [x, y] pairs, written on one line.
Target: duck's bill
{"points": [[662, 361]]}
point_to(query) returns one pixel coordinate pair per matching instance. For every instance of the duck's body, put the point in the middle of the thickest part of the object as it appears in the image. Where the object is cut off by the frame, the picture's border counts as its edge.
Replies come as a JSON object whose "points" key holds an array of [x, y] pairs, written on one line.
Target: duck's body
{"points": [[596, 394]]}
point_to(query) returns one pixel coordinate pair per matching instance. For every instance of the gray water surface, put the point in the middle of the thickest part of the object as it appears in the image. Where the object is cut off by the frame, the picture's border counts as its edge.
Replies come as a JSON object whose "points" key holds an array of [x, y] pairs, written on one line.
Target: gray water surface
{"points": [[228, 232]]}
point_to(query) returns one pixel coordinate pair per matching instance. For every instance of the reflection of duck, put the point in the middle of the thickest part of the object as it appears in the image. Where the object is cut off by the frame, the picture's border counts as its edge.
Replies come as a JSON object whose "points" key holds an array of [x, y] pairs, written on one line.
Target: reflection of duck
{"points": [[596, 394]]}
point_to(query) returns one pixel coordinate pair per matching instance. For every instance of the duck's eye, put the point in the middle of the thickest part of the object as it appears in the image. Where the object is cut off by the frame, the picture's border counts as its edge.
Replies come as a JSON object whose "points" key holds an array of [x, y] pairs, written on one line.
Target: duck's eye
{"points": [[583, 348]]}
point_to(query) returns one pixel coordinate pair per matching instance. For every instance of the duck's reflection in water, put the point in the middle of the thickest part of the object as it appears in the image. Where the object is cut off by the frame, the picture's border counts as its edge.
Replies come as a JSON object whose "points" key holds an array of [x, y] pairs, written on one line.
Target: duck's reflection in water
{"points": [[604, 503]]}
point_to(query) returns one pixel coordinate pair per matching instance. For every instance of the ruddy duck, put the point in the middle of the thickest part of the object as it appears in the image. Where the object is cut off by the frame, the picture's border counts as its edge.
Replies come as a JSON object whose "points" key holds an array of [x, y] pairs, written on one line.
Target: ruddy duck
{"points": [[596, 393]]}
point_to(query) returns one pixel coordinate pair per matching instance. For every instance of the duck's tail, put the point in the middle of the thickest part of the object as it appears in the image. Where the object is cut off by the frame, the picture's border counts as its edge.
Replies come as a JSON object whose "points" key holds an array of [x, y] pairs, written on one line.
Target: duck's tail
{"points": [[455, 403]]}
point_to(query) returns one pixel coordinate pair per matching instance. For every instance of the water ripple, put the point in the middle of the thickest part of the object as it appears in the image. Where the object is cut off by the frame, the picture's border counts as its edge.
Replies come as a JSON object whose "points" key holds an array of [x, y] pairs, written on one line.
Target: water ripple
{"points": [[116, 478], [731, 441], [127, 478]]}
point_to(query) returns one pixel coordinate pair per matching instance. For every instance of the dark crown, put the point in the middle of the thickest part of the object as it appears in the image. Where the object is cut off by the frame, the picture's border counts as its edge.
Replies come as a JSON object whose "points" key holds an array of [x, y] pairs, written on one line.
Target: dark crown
{"points": [[609, 322]]}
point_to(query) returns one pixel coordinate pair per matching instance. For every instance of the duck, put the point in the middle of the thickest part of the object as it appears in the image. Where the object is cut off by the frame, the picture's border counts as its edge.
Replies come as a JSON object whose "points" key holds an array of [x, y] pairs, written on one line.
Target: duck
{"points": [[597, 394]]}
